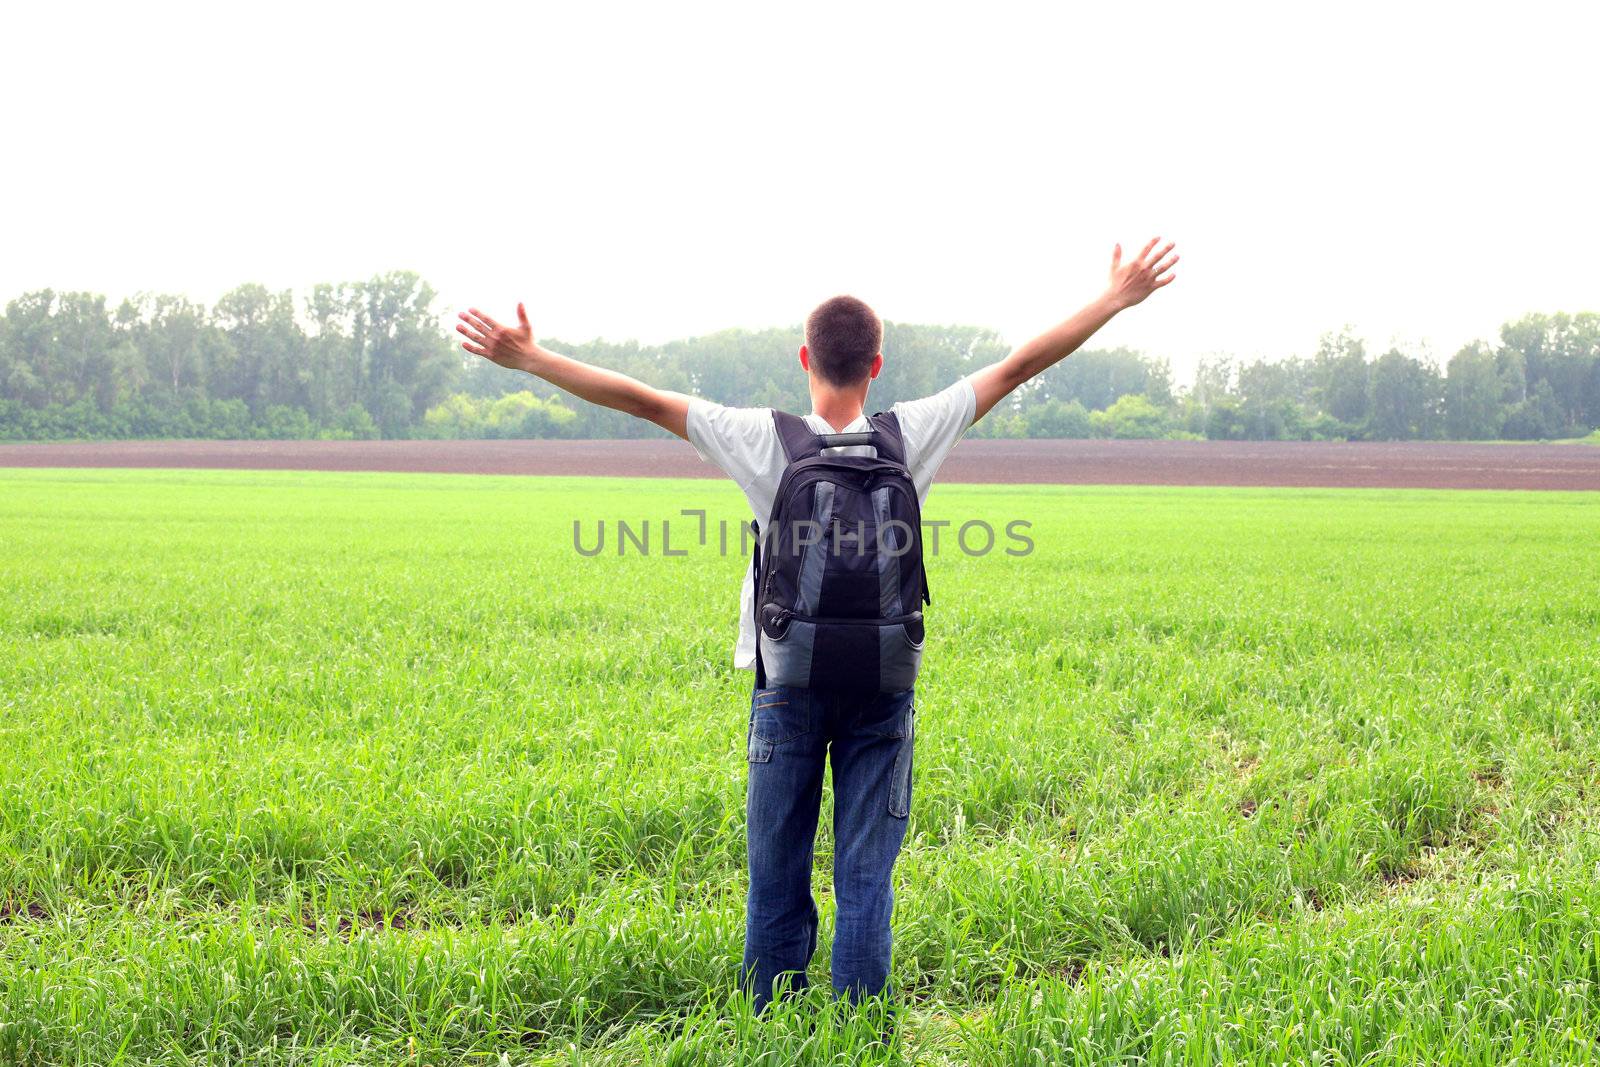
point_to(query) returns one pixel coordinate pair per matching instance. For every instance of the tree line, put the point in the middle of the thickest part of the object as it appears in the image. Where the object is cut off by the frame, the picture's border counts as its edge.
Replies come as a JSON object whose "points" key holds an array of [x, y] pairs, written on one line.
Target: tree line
{"points": [[372, 359]]}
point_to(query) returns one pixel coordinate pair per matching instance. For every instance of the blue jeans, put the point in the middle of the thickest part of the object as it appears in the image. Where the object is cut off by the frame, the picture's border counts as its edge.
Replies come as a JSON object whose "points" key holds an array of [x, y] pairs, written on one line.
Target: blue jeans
{"points": [[791, 733]]}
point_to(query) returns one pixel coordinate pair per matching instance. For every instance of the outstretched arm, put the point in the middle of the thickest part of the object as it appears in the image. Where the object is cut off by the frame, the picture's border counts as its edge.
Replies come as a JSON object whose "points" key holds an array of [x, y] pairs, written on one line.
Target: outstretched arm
{"points": [[1130, 283], [514, 347]]}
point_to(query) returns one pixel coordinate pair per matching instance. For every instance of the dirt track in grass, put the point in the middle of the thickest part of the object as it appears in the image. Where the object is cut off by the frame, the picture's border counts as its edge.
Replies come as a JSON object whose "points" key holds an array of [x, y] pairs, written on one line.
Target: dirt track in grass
{"points": [[1262, 463]]}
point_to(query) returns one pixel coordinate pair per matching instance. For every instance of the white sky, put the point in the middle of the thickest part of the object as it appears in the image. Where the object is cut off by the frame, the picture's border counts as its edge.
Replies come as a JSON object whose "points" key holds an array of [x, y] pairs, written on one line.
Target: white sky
{"points": [[1422, 171]]}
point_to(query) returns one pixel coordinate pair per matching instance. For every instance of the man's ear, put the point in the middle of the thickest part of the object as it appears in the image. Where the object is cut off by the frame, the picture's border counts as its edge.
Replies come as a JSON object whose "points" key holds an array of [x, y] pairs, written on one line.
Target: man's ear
{"points": [[805, 359], [877, 365]]}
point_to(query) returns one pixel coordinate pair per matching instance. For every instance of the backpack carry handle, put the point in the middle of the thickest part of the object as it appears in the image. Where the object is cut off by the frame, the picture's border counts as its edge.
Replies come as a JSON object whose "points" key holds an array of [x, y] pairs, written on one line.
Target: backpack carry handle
{"points": [[800, 441]]}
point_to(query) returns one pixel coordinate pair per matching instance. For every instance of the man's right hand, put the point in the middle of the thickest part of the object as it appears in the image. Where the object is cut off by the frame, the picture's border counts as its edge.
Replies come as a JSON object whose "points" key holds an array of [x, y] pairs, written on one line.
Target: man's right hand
{"points": [[1131, 282], [509, 346]]}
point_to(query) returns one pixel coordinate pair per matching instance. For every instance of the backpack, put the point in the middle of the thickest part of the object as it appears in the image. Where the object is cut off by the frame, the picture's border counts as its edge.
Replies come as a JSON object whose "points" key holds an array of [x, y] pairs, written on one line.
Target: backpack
{"points": [[839, 578]]}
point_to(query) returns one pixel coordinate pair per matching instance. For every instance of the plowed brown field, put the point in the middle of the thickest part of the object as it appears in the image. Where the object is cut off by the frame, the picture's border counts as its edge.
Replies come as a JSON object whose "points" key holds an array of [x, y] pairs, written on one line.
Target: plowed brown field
{"points": [[1281, 463]]}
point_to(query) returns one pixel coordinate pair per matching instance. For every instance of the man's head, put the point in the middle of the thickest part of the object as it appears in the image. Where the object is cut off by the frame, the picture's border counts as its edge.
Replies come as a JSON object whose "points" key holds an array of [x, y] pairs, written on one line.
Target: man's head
{"points": [[843, 339]]}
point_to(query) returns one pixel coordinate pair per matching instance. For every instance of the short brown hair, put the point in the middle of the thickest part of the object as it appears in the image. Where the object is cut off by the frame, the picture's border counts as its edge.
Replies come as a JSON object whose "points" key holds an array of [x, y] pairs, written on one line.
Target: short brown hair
{"points": [[843, 335]]}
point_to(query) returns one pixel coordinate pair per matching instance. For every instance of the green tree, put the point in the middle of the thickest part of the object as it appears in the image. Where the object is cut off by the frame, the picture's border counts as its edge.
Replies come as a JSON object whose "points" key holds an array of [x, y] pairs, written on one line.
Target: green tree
{"points": [[1055, 418], [1099, 378], [1472, 395], [1407, 398], [1563, 350], [1342, 377], [27, 351], [1270, 397], [1132, 416], [270, 347], [56, 347], [1536, 417], [1213, 386], [407, 362], [182, 351], [335, 339]]}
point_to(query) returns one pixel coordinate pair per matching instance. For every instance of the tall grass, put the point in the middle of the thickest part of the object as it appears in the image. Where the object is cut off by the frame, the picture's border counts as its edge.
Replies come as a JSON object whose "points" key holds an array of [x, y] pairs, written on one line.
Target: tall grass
{"points": [[362, 768]]}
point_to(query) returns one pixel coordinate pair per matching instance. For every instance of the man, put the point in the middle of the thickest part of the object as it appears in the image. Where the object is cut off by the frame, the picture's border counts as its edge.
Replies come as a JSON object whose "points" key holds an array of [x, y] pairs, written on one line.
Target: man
{"points": [[792, 729]]}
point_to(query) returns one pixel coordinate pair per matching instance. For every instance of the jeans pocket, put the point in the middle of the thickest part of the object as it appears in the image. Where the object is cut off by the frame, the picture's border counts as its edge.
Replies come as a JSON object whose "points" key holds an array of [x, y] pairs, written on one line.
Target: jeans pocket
{"points": [[887, 715], [758, 750], [777, 714], [900, 777]]}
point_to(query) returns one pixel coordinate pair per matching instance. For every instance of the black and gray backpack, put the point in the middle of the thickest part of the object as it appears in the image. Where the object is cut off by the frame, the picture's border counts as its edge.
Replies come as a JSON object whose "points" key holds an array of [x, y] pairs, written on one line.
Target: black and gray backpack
{"points": [[838, 568]]}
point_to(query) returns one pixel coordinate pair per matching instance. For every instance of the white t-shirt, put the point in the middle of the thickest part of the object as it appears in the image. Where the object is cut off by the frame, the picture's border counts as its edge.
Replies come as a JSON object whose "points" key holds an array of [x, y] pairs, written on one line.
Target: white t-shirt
{"points": [[744, 443]]}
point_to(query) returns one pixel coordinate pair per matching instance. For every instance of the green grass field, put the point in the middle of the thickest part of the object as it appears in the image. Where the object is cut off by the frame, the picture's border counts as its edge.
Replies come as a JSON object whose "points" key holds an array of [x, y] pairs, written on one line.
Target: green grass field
{"points": [[375, 768]]}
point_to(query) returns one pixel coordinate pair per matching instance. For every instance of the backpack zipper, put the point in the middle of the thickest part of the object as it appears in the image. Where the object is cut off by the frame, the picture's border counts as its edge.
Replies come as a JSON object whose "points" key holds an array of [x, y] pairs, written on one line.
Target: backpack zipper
{"points": [[784, 615]]}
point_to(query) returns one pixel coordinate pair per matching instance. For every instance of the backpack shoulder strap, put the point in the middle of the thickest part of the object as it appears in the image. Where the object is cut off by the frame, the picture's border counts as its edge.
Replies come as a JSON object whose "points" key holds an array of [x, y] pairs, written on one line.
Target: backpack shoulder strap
{"points": [[891, 445], [888, 440], [797, 438]]}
